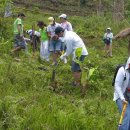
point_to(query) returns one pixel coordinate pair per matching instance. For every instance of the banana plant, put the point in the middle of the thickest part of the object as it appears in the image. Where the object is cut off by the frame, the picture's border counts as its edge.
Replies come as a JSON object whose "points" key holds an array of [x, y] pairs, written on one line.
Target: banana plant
{"points": [[86, 72]]}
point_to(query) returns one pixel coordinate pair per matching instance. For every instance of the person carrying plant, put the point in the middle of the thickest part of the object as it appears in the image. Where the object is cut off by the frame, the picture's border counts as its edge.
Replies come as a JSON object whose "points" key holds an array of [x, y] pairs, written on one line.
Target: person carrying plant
{"points": [[108, 36], [44, 51], [54, 42], [19, 42], [122, 93], [73, 42]]}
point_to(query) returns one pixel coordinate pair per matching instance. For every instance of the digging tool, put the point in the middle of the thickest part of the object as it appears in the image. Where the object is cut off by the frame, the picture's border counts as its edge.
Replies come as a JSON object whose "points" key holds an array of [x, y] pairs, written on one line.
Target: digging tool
{"points": [[122, 115], [33, 39]]}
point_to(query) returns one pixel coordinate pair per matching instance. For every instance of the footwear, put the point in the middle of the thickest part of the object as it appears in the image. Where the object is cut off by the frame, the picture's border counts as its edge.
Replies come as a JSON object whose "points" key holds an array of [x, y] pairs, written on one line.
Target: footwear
{"points": [[74, 84], [54, 63], [17, 59], [11, 53]]}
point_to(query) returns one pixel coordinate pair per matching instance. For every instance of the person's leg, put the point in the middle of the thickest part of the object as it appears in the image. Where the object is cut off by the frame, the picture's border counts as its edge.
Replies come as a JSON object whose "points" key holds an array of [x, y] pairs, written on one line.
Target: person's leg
{"points": [[42, 50], [129, 114], [110, 50], [46, 51], [77, 71], [52, 50], [16, 49], [105, 49], [77, 78], [19, 43], [126, 121], [58, 46]]}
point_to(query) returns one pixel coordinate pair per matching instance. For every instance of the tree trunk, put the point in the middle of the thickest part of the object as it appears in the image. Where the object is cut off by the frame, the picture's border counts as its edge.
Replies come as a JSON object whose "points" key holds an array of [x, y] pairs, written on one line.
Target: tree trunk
{"points": [[118, 10], [100, 8]]}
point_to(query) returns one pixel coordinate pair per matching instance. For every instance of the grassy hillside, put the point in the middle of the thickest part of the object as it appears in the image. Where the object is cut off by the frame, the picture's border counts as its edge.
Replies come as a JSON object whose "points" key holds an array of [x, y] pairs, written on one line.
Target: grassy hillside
{"points": [[27, 100], [73, 7]]}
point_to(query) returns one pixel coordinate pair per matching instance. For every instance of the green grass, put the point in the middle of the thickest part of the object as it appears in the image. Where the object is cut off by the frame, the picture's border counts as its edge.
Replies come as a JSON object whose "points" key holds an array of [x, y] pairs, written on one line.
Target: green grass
{"points": [[27, 100]]}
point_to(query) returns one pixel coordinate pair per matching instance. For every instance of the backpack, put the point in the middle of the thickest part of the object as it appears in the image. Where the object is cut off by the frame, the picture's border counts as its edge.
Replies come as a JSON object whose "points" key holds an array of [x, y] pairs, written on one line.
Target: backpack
{"points": [[107, 40], [116, 71]]}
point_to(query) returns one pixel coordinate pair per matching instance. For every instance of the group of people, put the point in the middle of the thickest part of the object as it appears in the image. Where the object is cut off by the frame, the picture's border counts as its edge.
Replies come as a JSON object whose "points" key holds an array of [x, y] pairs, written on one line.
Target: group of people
{"points": [[60, 40], [57, 39]]}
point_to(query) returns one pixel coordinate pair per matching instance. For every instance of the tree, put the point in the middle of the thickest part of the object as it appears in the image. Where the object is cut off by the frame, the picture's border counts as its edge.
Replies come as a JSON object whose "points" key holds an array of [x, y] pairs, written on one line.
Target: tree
{"points": [[99, 8], [118, 10]]}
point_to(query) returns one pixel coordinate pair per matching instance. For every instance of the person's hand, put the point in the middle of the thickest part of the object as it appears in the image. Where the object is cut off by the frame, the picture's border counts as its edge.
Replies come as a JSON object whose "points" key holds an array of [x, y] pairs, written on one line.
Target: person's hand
{"points": [[21, 36], [55, 37], [62, 57], [124, 101]]}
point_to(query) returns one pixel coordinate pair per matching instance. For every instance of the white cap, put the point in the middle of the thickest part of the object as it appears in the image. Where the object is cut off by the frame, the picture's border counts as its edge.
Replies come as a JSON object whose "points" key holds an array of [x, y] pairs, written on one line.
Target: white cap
{"points": [[29, 31], [37, 33], [108, 28], [63, 16]]}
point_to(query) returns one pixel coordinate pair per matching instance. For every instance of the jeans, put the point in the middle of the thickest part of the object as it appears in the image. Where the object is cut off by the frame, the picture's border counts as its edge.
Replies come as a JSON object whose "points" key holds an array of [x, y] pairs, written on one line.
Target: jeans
{"points": [[18, 41], [126, 120], [75, 67], [55, 45]]}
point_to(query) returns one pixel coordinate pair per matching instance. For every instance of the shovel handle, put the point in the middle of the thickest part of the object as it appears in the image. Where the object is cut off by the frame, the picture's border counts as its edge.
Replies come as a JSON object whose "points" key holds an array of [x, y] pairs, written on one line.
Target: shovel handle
{"points": [[123, 113]]}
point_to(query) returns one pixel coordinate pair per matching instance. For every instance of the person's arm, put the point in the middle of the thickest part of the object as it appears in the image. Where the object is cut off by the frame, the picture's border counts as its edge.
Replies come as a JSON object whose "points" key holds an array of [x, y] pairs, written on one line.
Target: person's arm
{"points": [[111, 37], [19, 28], [69, 27], [48, 32], [119, 82], [69, 48]]}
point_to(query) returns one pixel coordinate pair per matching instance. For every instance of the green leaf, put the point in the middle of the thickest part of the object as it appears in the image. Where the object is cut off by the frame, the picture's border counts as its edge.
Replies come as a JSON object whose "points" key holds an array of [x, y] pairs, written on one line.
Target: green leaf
{"points": [[91, 71], [78, 52]]}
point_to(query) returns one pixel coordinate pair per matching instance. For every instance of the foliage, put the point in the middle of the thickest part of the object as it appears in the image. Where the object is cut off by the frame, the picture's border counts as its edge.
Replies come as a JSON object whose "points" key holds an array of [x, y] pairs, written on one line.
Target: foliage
{"points": [[27, 100]]}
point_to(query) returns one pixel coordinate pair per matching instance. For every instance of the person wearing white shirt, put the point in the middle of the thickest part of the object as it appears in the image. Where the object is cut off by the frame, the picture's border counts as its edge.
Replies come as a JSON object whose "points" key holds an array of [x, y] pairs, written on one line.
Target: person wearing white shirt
{"points": [[122, 93], [64, 23], [55, 44], [108, 36], [72, 42]]}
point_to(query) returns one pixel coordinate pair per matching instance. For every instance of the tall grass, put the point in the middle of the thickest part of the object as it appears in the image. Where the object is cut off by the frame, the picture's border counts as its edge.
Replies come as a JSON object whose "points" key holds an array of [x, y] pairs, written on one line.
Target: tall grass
{"points": [[29, 103]]}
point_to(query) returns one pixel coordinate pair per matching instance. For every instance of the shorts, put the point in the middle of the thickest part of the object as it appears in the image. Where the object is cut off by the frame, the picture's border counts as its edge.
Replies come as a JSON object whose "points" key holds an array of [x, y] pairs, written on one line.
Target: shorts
{"points": [[107, 44], [75, 66], [19, 42], [55, 46]]}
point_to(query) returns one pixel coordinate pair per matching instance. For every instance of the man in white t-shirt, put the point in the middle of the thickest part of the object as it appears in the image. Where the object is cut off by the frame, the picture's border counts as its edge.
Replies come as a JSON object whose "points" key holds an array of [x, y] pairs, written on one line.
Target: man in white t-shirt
{"points": [[73, 42]]}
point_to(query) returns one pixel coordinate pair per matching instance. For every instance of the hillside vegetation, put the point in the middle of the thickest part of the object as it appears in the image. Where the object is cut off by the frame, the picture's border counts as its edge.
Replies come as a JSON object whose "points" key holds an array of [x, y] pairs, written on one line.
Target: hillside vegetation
{"points": [[27, 99]]}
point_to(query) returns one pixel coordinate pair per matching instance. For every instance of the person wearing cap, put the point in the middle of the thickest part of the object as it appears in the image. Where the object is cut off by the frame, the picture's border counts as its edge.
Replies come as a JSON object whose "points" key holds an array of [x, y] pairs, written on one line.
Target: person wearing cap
{"points": [[108, 36], [19, 42], [64, 23], [54, 42], [73, 42], [30, 33], [122, 93], [34, 35], [44, 52]]}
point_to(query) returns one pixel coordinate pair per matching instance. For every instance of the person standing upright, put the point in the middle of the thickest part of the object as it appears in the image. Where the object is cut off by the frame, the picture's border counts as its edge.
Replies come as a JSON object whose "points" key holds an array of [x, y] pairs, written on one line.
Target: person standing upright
{"points": [[19, 42], [44, 52], [108, 36], [122, 93], [64, 23], [54, 41]]}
